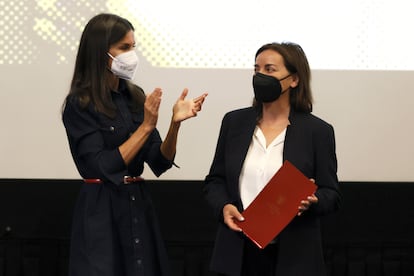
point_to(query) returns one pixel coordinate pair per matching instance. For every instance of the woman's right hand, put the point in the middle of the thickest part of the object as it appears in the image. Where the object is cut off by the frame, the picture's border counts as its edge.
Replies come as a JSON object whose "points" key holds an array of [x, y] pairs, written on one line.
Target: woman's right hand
{"points": [[230, 213], [151, 107]]}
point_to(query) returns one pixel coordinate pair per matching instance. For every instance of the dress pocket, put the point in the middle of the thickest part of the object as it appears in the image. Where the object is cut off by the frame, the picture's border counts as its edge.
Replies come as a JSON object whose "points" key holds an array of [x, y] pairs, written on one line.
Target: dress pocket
{"points": [[113, 132]]}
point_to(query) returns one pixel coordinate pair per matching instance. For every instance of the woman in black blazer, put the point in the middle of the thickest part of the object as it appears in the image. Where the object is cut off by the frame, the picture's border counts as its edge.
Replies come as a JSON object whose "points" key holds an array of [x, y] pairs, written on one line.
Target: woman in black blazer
{"points": [[252, 145]]}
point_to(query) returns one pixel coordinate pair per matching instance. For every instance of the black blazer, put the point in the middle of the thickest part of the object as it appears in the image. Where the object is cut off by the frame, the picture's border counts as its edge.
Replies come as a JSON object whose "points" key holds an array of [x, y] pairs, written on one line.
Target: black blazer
{"points": [[310, 146]]}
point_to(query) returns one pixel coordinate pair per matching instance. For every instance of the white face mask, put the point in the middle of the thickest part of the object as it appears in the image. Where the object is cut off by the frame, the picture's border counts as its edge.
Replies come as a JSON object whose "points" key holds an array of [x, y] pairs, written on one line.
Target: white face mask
{"points": [[124, 65]]}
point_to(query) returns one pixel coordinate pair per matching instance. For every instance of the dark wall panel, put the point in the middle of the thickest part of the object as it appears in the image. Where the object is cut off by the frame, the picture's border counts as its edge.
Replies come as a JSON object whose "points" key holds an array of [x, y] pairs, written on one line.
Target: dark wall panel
{"points": [[373, 234]]}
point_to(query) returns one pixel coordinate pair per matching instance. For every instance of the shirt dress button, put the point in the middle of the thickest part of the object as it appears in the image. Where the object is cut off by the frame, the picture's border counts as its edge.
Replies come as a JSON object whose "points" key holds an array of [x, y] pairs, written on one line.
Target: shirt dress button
{"points": [[139, 261], [136, 240], [112, 129], [132, 197]]}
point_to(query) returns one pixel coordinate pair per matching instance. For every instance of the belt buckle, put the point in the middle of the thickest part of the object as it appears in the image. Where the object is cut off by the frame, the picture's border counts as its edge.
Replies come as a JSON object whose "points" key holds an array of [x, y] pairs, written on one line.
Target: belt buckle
{"points": [[131, 179], [127, 179]]}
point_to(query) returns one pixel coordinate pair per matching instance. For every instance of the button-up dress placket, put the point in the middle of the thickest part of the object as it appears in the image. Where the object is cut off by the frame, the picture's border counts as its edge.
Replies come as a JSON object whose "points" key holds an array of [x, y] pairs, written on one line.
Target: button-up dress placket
{"points": [[136, 201]]}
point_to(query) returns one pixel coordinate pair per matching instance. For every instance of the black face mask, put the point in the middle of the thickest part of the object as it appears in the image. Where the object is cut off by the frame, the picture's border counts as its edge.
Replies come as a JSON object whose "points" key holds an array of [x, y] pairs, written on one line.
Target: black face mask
{"points": [[267, 88]]}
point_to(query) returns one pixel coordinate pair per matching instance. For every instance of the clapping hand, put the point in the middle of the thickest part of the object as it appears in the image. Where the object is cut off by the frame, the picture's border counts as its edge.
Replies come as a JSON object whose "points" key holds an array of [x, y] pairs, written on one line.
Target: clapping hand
{"points": [[187, 108]]}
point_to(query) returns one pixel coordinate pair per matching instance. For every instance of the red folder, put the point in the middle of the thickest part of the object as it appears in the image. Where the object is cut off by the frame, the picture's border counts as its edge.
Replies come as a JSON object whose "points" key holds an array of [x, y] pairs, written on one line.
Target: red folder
{"points": [[276, 205]]}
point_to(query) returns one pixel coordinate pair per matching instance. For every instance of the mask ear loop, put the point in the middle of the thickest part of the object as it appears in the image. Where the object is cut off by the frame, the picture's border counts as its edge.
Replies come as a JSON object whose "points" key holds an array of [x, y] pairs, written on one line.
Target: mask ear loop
{"points": [[285, 77], [111, 56], [284, 91]]}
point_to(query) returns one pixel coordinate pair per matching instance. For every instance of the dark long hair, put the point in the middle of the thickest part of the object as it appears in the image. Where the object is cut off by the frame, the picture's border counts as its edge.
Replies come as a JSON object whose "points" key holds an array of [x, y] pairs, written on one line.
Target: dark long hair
{"points": [[90, 82], [295, 62]]}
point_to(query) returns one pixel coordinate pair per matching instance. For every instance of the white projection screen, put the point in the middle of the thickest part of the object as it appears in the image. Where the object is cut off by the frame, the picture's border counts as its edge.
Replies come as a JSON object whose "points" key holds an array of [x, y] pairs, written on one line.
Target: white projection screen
{"points": [[360, 52]]}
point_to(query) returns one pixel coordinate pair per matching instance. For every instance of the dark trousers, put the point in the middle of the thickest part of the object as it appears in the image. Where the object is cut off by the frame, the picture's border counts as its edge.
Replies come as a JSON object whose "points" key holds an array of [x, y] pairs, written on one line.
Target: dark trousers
{"points": [[259, 262]]}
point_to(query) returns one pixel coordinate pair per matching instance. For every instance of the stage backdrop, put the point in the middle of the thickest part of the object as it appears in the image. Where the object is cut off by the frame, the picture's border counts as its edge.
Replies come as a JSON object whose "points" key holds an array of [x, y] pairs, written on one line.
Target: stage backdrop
{"points": [[359, 52]]}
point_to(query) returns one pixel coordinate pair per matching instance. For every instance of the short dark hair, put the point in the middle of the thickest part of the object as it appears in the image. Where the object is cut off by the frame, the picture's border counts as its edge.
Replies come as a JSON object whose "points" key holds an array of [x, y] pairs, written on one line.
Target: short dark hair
{"points": [[295, 62]]}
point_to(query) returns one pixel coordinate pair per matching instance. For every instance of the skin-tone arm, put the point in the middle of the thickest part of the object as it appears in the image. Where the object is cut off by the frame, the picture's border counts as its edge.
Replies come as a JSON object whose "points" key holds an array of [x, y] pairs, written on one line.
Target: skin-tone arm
{"points": [[182, 110], [135, 142]]}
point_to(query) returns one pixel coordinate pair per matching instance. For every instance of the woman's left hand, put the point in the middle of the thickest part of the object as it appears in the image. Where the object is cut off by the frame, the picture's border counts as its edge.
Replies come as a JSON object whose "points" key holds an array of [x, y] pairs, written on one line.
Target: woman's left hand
{"points": [[184, 109], [305, 204]]}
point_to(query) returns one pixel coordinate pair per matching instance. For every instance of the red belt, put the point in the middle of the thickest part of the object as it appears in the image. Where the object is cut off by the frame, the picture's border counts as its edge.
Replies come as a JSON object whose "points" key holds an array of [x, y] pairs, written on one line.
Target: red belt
{"points": [[127, 180]]}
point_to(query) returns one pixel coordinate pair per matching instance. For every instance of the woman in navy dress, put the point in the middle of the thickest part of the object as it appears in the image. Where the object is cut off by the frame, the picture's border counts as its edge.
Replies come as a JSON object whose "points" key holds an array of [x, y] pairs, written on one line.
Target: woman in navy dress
{"points": [[111, 129]]}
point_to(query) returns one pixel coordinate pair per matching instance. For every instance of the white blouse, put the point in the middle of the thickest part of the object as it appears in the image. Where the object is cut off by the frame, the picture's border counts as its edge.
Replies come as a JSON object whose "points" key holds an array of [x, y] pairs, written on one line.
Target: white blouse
{"points": [[260, 165]]}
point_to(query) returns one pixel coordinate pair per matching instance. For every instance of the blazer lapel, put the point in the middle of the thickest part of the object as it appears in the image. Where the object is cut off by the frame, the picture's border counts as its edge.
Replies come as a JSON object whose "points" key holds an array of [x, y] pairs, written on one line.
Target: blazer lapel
{"points": [[241, 136]]}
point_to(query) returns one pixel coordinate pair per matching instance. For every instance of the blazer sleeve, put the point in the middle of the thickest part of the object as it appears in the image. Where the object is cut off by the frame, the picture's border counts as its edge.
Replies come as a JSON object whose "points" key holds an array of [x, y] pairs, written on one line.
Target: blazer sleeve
{"points": [[329, 197], [215, 189]]}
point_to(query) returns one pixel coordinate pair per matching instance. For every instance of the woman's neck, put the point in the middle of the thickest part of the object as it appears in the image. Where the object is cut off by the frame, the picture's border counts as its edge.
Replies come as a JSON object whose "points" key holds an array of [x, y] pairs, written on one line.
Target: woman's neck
{"points": [[276, 111]]}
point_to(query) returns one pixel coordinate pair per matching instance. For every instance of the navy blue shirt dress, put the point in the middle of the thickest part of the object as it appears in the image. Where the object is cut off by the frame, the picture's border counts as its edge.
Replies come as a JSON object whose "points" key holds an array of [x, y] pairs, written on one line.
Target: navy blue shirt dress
{"points": [[115, 231]]}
